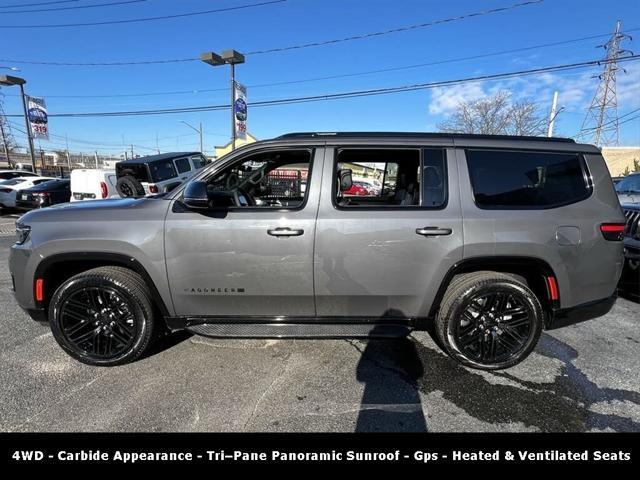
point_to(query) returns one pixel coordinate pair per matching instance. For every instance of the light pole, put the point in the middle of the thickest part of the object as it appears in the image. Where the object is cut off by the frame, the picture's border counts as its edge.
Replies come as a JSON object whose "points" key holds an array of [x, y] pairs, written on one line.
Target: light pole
{"points": [[9, 81], [197, 130], [232, 58], [13, 69]]}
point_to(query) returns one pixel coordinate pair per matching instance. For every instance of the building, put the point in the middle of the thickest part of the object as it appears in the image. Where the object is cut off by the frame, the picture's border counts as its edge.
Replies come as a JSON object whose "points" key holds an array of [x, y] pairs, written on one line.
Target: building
{"points": [[620, 159], [223, 150]]}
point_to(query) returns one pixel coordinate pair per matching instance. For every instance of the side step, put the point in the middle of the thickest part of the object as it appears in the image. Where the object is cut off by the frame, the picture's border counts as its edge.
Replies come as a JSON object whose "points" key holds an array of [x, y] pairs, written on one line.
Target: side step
{"points": [[300, 330]]}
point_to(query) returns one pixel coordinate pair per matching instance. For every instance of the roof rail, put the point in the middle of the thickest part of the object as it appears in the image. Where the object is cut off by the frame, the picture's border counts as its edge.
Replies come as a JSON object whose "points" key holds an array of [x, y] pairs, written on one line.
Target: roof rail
{"points": [[418, 135]]}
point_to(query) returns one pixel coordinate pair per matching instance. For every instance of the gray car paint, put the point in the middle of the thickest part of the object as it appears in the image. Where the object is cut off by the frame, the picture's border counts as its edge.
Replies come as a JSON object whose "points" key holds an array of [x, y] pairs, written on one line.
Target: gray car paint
{"points": [[287, 276]]}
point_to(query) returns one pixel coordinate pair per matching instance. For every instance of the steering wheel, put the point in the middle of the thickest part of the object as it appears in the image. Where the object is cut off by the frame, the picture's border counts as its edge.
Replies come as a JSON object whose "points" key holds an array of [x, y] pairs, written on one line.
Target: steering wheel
{"points": [[232, 181]]}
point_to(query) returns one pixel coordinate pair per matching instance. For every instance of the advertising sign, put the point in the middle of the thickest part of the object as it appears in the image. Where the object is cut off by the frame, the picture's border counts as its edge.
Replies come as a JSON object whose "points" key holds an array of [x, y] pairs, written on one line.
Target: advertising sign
{"points": [[240, 110], [38, 119]]}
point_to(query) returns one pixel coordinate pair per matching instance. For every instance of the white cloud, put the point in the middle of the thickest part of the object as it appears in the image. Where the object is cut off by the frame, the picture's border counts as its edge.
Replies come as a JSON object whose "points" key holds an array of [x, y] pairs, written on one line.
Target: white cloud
{"points": [[445, 100]]}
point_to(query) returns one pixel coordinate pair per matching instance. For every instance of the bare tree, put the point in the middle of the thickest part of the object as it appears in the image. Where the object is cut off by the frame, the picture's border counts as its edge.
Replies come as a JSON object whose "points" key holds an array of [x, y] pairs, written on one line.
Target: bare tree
{"points": [[496, 115]]}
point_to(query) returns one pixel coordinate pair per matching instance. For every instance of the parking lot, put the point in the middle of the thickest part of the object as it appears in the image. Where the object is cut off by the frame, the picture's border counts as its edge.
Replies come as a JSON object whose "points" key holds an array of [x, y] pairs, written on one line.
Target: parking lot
{"points": [[581, 378]]}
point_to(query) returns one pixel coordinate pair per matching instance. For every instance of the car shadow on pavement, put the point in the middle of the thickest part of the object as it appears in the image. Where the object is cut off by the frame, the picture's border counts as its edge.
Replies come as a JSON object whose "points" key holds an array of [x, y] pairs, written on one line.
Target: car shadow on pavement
{"points": [[398, 373], [166, 342]]}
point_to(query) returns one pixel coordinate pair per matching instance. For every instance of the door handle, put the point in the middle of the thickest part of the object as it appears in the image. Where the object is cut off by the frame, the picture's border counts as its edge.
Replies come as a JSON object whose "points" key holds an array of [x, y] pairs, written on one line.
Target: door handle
{"points": [[285, 232], [433, 231]]}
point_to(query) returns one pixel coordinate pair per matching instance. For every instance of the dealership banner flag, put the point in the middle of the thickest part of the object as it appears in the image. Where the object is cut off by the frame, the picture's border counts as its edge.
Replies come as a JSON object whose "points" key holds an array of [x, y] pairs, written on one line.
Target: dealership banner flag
{"points": [[240, 110], [38, 119]]}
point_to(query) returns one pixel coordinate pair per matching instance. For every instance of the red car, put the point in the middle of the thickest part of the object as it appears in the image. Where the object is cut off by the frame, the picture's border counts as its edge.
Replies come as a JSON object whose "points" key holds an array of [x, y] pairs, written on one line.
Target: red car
{"points": [[356, 190]]}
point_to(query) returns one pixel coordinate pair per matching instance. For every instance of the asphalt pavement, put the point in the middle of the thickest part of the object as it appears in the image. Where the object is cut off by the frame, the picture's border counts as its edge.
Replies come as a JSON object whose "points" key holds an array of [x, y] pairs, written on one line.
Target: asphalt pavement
{"points": [[581, 378]]}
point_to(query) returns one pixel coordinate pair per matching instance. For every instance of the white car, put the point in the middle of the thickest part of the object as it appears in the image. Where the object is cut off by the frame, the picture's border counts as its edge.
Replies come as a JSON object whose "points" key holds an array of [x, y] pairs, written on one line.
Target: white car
{"points": [[9, 188], [93, 184]]}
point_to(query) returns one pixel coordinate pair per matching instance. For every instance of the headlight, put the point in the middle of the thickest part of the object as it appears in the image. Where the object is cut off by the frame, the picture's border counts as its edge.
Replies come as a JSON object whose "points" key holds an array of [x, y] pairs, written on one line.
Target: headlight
{"points": [[22, 233]]}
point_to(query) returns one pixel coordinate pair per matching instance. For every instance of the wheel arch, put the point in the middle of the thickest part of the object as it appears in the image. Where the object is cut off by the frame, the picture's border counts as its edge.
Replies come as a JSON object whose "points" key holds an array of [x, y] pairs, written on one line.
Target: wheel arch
{"points": [[57, 268], [532, 269]]}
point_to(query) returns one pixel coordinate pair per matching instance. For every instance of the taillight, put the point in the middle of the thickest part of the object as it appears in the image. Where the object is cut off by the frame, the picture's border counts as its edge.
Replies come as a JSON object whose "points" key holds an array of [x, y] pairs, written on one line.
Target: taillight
{"points": [[612, 231], [153, 189], [103, 190]]}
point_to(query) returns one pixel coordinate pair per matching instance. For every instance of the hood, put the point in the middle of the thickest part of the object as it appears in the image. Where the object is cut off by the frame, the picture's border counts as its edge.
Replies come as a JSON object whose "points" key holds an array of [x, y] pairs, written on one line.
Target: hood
{"points": [[119, 209]]}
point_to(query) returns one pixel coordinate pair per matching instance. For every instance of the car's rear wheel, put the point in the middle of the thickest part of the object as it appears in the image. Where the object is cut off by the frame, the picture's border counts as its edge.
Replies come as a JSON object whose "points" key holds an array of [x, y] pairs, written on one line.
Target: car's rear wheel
{"points": [[103, 316], [489, 320]]}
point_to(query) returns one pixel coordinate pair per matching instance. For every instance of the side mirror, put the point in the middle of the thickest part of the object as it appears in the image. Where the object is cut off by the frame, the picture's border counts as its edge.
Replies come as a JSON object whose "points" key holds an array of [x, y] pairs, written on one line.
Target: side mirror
{"points": [[195, 195]]}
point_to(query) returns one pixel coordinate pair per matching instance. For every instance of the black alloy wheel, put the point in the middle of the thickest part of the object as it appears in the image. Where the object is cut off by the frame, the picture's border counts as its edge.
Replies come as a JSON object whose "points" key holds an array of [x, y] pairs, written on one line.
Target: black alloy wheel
{"points": [[489, 320], [98, 321], [103, 316], [493, 327]]}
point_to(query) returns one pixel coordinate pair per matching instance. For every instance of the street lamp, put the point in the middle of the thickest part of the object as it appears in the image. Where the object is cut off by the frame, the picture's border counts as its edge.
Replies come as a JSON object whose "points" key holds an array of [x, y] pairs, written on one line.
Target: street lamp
{"points": [[9, 81], [197, 130], [232, 58], [13, 69]]}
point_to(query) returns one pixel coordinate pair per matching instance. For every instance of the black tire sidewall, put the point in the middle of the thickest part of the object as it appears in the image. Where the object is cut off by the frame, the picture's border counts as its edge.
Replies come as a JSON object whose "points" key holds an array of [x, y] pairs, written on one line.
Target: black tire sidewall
{"points": [[77, 283], [131, 182], [448, 337]]}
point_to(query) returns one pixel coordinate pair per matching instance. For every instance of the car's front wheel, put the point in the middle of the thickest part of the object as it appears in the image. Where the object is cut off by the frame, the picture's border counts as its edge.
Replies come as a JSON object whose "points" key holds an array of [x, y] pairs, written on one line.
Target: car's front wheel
{"points": [[103, 316], [489, 320]]}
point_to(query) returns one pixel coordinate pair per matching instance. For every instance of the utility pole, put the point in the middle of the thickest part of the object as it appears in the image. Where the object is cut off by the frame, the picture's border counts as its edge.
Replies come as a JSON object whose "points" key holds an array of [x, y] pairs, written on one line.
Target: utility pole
{"points": [[552, 115], [4, 142], [132, 151], [601, 122], [199, 130], [66, 137]]}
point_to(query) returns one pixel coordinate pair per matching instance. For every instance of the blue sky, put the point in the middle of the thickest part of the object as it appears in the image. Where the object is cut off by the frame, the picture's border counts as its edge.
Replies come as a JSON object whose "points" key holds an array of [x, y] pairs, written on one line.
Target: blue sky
{"points": [[296, 22]]}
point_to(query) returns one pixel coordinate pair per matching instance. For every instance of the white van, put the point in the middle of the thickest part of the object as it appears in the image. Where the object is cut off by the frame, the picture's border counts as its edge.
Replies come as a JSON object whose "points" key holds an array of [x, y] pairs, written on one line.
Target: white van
{"points": [[93, 184]]}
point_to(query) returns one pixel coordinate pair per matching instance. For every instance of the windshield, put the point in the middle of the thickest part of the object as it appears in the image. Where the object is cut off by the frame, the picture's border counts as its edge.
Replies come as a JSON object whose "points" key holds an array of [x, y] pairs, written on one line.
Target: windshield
{"points": [[630, 184]]}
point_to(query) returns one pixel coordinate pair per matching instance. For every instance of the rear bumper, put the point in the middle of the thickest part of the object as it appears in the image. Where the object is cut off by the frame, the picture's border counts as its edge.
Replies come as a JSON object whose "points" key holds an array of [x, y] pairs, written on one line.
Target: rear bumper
{"points": [[581, 313]]}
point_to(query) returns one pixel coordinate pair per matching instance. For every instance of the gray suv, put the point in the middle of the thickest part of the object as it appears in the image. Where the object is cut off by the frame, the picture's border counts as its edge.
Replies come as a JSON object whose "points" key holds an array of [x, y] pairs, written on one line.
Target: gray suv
{"points": [[483, 240]]}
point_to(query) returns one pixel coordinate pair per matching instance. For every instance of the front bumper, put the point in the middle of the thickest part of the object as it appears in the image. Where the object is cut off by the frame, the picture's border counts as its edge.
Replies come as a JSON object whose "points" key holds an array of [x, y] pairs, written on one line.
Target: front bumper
{"points": [[581, 313]]}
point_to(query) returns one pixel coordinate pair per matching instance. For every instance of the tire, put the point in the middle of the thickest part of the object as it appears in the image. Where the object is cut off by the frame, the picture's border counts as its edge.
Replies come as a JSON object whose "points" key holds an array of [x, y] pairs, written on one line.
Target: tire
{"points": [[129, 186], [103, 316], [489, 320]]}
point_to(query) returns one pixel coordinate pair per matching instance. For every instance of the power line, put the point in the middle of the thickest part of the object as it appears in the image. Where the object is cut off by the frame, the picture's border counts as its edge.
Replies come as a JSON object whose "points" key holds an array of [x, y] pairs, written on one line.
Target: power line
{"points": [[150, 19], [36, 4], [332, 77], [611, 121], [399, 29], [278, 49], [351, 94], [77, 7]]}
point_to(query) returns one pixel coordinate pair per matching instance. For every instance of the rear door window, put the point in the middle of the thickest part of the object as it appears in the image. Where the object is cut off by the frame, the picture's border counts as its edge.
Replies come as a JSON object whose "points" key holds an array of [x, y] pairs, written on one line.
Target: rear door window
{"points": [[505, 179], [183, 166]]}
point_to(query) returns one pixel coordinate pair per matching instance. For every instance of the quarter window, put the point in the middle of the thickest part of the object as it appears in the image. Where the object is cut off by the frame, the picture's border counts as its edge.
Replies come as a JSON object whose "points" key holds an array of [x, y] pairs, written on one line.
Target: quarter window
{"points": [[526, 180]]}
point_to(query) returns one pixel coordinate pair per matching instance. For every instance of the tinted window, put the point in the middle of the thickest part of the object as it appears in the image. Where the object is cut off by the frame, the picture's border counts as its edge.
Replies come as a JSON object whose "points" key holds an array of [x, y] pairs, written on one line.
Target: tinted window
{"points": [[274, 179], [182, 164], [630, 184], [434, 185], [512, 179], [198, 161], [163, 170]]}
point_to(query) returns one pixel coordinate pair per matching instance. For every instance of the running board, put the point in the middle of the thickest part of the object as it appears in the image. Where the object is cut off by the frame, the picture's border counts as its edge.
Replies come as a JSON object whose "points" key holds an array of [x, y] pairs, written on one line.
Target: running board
{"points": [[300, 330]]}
